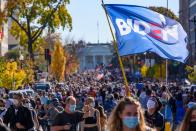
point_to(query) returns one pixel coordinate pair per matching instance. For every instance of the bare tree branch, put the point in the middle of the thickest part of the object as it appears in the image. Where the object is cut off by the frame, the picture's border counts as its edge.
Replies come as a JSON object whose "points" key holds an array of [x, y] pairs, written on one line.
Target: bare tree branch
{"points": [[15, 20]]}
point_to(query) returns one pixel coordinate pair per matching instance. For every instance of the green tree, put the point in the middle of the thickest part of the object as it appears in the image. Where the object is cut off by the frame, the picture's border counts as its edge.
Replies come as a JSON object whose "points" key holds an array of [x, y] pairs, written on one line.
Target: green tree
{"points": [[12, 54], [31, 17], [191, 74], [164, 11]]}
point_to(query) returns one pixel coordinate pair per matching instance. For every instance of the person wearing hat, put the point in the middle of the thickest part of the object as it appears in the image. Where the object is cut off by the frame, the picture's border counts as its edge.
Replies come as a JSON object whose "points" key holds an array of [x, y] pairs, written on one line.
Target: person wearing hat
{"points": [[153, 116]]}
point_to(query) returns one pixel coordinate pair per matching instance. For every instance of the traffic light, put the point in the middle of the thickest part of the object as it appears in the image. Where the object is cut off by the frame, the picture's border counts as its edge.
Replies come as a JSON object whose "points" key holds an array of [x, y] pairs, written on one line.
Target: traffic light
{"points": [[48, 55]]}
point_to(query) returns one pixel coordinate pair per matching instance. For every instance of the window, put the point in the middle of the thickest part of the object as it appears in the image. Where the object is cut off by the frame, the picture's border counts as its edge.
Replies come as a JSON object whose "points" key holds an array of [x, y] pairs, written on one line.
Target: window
{"points": [[99, 59]]}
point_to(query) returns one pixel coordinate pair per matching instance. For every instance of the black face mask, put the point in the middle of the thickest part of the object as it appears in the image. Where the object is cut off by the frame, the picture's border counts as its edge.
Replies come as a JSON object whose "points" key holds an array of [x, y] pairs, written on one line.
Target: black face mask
{"points": [[192, 126]]}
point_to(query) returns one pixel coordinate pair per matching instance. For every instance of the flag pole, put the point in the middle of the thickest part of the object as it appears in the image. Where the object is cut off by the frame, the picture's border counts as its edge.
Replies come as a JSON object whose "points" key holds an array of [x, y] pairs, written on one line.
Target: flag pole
{"points": [[166, 62], [166, 75], [116, 49]]}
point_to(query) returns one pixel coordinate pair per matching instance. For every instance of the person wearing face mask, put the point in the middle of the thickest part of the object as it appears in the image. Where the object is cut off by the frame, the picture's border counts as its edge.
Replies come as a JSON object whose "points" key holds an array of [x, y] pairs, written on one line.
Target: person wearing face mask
{"points": [[18, 116], [189, 121], [153, 116], [127, 116], [91, 117], [33, 113], [69, 119], [166, 109], [2, 108]]}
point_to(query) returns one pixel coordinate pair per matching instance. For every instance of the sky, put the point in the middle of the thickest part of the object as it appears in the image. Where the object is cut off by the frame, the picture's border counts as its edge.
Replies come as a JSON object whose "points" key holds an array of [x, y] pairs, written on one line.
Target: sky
{"points": [[88, 16]]}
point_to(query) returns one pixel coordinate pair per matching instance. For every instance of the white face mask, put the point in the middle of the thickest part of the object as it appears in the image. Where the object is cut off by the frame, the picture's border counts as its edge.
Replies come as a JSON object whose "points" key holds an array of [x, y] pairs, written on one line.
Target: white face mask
{"points": [[28, 105], [92, 105]]}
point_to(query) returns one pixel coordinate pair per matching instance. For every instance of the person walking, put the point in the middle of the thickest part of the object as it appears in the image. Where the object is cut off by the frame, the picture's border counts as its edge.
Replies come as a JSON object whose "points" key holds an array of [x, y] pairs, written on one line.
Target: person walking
{"points": [[69, 119], [91, 117], [18, 116]]}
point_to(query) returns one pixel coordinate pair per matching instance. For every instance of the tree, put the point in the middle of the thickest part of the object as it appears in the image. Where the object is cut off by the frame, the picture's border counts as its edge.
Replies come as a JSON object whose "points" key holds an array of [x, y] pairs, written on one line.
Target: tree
{"points": [[27, 66], [72, 63], [58, 62], [12, 54], [12, 77], [164, 11], [2, 68], [31, 17], [48, 42], [159, 71], [144, 70], [191, 74]]}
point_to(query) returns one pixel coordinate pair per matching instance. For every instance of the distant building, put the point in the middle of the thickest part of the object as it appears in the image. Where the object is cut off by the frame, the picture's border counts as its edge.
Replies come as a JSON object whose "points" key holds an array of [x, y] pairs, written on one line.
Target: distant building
{"points": [[187, 13], [92, 55], [3, 33], [7, 41]]}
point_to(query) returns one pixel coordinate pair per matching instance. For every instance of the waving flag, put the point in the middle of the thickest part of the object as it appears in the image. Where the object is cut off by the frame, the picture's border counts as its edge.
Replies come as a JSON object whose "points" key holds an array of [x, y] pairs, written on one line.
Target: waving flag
{"points": [[139, 29]]}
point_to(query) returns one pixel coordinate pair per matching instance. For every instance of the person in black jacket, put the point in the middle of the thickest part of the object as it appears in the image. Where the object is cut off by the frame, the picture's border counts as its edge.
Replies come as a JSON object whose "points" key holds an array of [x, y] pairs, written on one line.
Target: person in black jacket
{"points": [[3, 127], [18, 116]]}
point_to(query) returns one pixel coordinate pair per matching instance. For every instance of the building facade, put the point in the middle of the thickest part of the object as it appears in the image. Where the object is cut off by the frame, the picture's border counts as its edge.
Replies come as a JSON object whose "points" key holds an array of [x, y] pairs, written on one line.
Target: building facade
{"points": [[92, 55], [187, 13], [192, 28], [7, 41], [3, 33]]}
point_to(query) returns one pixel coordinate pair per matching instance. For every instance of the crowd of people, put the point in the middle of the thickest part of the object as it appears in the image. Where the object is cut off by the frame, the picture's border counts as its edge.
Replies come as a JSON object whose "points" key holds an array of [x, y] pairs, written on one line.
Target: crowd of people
{"points": [[89, 101]]}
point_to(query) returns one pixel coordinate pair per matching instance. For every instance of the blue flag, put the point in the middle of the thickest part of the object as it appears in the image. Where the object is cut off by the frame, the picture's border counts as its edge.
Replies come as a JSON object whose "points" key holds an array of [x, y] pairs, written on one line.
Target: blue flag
{"points": [[139, 29]]}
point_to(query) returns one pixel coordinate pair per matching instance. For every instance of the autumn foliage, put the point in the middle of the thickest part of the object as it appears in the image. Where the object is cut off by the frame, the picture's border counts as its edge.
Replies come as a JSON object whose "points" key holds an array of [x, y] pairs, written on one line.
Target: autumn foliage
{"points": [[58, 62], [11, 76]]}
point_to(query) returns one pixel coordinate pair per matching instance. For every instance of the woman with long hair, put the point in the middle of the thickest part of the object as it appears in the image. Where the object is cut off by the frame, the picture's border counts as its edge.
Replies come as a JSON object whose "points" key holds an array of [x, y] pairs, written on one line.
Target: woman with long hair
{"points": [[127, 116], [91, 116], [189, 122], [103, 118]]}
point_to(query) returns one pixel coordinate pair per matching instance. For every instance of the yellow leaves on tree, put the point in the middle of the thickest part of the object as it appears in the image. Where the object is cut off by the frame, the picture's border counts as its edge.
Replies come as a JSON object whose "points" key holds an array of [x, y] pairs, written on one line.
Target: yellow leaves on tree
{"points": [[159, 71], [58, 62], [72, 64], [191, 74], [28, 68], [144, 70], [12, 77]]}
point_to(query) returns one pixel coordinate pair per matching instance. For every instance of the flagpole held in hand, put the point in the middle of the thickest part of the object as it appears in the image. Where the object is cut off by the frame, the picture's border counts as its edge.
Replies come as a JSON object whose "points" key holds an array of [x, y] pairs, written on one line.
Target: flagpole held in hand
{"points": [[119, 58]]}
